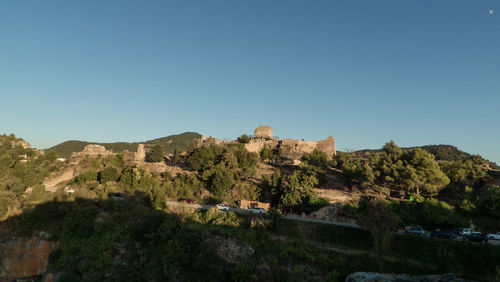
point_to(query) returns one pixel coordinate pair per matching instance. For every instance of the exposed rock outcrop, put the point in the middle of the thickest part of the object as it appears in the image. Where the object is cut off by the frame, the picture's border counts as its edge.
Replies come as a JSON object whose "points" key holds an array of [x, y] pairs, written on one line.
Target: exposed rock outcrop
{"points": [[377, 277], [230, 249], [25, 257]]}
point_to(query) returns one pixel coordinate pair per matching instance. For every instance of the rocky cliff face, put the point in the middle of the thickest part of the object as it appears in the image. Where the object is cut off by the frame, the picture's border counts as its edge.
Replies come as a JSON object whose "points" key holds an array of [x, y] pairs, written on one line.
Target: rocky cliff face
{"points": [[25, 257]]}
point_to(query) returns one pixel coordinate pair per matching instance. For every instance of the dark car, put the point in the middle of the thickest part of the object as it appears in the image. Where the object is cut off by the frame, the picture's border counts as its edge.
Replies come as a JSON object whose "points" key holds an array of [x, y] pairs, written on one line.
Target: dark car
{"points": [[447, 234], [416, 230], [477, 237]]}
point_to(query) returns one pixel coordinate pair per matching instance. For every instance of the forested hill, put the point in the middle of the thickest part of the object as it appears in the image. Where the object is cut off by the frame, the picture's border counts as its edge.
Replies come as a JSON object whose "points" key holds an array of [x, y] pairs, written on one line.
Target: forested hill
{"points": [[440, 152], [169, 143]]}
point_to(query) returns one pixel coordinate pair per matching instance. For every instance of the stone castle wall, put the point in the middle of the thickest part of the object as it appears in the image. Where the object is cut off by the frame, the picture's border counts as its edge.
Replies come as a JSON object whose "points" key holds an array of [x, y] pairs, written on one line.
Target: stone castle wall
{"points": [[255, 145], [291, 149], [94, 150]]}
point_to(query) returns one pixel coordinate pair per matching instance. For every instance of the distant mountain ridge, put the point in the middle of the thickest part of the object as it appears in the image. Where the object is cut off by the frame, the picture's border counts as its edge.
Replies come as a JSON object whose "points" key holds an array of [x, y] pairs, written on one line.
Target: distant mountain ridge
{"points": [[169, 144]]}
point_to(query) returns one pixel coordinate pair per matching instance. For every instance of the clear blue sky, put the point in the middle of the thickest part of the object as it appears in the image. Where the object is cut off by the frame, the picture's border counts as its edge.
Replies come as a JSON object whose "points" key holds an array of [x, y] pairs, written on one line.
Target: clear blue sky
{"points": [[418, 72]]}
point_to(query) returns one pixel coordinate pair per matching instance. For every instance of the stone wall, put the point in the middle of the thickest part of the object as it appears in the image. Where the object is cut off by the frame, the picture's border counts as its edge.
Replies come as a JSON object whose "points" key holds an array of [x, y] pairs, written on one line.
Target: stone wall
{"points": [[294, 149], [255, 145], [291, 150], [92, 150]]}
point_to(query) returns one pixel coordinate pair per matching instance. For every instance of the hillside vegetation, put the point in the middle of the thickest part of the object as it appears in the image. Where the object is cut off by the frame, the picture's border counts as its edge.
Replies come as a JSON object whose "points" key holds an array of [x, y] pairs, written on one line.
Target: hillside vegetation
{"points": [[21, 169], [115, 222], [440, 152], [169, 144]]}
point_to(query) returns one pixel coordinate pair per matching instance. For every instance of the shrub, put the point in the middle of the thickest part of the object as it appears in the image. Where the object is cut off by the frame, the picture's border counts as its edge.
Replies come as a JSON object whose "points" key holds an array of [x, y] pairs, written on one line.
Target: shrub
{"points": [[244, 139], [86, 177], [108, 174], [266, 154]]}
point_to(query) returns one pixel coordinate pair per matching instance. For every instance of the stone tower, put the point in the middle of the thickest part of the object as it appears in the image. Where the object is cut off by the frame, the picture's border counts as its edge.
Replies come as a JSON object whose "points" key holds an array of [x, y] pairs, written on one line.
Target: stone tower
{"points": [[263, 131]]}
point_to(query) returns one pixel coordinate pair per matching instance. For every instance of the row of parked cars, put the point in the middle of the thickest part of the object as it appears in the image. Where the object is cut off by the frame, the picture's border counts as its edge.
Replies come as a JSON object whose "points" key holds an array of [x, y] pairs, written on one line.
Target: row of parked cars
{"points": [[256, 210], [467, 234]]}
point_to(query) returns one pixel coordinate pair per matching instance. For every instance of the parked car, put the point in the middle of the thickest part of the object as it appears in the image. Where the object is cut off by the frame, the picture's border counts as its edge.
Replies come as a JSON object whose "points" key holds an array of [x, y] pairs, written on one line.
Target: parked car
{"points": [[494, 236], [448, 234], [117, 196], [257, 210], [477, 237], [464, 231], [187, 200], [416, 230], [223, 207]]}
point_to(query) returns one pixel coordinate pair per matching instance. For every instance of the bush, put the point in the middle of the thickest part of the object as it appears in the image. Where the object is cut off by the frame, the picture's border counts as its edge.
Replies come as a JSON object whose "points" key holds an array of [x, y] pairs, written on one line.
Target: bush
{"points": [[86, 177], [108, 174], [244, 139], [430, 214], [266, 154], [9, 204]]}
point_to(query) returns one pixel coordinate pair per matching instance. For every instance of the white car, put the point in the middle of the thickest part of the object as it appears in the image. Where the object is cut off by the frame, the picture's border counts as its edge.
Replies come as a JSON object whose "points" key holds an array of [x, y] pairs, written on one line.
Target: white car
{"points": [[465, 231], [223, 207], [257, 210], [494, 236]]}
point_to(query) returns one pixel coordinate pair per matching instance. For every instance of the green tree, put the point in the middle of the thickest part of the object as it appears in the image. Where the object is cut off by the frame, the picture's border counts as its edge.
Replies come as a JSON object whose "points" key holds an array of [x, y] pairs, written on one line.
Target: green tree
{"points": [[490, 202], [379, 219], [219, 180], [244, 139], [51, 156], [155, 154], [422, 172], [291, 197], [177, 157], [317, 159], [266, 154]]}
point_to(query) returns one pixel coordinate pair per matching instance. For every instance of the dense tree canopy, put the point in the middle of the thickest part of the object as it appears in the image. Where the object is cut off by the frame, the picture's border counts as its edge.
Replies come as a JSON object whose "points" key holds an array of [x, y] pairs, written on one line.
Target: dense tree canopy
{"points": [[394, 169], [155, 155]]}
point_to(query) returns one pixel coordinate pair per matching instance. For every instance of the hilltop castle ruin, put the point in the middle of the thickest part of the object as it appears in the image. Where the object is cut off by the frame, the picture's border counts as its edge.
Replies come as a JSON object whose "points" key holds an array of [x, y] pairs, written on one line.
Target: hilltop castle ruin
{"points": [[291, 150]]}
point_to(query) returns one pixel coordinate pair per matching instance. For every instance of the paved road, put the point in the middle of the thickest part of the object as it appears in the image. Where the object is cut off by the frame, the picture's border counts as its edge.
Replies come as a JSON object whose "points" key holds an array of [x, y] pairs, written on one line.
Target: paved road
{"points": [[244, 211], [305, 219]]}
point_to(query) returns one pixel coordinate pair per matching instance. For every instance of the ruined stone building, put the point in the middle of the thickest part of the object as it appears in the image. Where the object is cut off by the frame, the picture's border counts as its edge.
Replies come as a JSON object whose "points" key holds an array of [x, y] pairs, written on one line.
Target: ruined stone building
{"points": [[291, 150]]}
